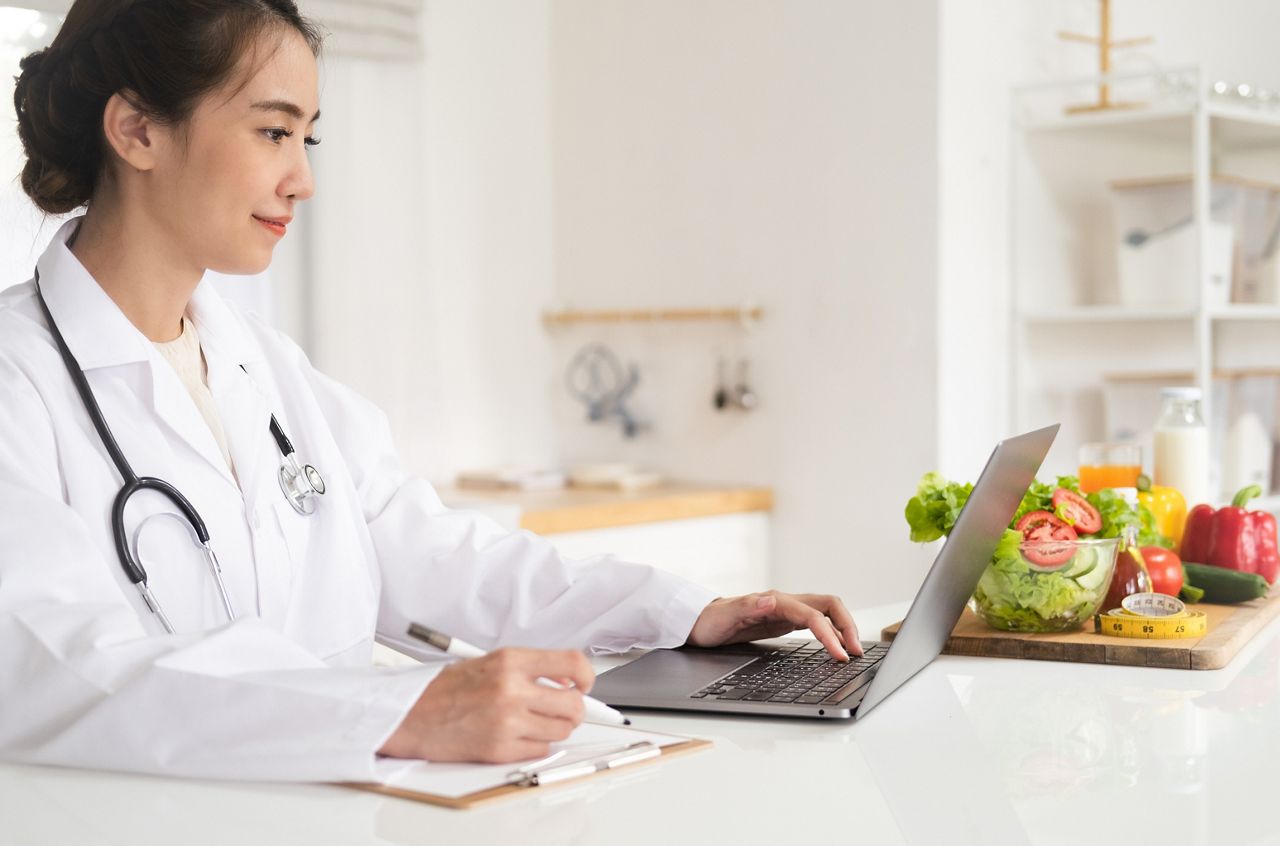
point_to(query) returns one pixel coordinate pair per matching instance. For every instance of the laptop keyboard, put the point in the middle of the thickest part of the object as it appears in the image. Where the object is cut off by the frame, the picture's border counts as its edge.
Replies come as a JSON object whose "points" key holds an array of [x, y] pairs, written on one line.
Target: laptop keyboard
{"points": [[805, 675]]}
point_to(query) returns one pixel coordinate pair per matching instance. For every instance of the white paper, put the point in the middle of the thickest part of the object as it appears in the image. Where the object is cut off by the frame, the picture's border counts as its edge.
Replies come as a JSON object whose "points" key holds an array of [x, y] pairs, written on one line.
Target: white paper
{"points": [[456, 780]]}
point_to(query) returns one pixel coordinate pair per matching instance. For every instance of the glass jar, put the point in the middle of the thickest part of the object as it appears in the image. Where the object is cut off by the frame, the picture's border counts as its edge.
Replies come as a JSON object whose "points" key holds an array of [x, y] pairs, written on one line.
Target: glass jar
{"points": [[1182, 445]]}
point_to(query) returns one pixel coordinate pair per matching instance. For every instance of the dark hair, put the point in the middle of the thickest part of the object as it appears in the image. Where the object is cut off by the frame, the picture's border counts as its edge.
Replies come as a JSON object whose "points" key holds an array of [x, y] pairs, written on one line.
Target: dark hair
{"points": [[164, 55]]}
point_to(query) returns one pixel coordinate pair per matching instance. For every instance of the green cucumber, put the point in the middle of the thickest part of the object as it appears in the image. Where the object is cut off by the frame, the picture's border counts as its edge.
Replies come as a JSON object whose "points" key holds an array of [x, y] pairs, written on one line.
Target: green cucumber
{"points": [[1225, 586]]}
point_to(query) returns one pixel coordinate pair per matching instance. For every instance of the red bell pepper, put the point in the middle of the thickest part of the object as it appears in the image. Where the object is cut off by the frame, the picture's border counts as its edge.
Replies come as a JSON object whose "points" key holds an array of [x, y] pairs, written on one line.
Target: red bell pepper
{"points": [[1233, 538]]}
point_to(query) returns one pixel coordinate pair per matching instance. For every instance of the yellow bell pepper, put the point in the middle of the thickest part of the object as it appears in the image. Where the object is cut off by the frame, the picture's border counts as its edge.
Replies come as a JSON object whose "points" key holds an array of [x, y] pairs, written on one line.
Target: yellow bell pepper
{"points": [[1169, 507]]}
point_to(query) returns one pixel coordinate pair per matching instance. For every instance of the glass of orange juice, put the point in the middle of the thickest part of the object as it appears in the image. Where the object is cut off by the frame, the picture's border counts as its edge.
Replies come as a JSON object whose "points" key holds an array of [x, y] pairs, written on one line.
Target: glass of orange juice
{"points": [[1109, 465]]}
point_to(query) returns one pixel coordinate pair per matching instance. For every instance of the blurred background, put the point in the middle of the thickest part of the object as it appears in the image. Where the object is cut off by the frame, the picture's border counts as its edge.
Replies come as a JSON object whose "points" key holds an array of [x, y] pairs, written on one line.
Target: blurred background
{"points": [[744, 270]]}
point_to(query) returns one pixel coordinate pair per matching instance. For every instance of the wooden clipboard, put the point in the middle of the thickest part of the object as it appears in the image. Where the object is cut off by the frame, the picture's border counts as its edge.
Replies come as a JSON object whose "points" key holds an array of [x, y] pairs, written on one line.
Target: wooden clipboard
{"points": [[507, 791]]}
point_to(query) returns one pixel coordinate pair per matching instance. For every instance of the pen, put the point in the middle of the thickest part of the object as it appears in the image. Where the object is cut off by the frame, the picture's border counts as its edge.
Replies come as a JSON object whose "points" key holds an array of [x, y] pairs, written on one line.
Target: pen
{"points": [[594, 711], [632, 754]]}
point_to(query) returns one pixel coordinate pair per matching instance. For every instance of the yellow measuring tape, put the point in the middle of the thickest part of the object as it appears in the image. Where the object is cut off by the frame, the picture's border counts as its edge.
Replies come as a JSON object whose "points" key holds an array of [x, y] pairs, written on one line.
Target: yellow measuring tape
{"points": [[1152, 615]]}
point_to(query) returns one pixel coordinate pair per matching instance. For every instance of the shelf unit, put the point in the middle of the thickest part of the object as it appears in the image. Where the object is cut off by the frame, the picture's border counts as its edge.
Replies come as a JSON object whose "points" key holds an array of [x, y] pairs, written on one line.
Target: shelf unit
{"points": [[1070, 324]]}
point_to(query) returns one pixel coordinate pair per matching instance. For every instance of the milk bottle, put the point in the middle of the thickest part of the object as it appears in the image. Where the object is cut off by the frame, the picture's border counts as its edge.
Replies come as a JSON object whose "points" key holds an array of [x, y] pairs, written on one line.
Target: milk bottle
{"points": [[1182, 445]]}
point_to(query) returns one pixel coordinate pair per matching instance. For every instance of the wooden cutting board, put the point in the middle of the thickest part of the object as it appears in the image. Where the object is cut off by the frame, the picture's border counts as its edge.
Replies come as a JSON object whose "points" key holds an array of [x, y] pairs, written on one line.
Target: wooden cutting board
{"points": [[1230, 628]]}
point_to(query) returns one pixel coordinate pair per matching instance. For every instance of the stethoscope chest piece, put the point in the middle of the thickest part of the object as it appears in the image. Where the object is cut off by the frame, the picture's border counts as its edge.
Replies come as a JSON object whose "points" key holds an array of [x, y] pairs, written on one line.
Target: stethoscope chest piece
{"points": [[301, 485]]}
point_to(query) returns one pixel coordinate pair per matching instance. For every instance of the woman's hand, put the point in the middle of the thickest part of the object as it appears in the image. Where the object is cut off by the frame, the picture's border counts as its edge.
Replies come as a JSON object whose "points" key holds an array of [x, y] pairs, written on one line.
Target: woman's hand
{"points": [[492, 709], [772, 614]]}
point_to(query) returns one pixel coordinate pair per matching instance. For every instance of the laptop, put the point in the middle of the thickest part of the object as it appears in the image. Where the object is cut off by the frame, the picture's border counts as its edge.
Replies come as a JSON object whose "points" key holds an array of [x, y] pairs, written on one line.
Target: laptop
{"points": [[796, 678]]}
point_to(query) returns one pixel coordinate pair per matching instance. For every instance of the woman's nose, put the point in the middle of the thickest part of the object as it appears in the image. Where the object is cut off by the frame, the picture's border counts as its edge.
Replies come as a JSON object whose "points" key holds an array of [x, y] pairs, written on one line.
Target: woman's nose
{"points": [[300, 184]]}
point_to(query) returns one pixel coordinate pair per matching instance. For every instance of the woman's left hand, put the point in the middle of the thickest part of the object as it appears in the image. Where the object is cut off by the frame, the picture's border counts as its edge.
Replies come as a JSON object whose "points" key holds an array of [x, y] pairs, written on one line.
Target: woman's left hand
{"points": [[773, 614]]}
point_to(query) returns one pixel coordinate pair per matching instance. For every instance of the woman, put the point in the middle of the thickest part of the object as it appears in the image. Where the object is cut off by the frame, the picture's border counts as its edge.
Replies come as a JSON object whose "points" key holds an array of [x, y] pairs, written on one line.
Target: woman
{"points": [[183, 126]]}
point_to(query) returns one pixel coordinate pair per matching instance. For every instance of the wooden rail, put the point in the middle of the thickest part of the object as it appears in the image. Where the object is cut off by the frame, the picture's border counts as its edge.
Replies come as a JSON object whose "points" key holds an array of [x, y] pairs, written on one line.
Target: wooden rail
{"points": [[745, 315]]}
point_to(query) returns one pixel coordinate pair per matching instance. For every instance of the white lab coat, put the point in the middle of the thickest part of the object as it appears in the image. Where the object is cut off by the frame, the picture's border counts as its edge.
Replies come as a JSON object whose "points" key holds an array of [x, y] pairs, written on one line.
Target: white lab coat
{"points": [[88, 676]]}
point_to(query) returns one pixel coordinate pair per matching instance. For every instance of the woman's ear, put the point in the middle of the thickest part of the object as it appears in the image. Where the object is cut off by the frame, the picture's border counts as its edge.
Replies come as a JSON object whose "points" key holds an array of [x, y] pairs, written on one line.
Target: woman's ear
{"points": [[130, 132]]}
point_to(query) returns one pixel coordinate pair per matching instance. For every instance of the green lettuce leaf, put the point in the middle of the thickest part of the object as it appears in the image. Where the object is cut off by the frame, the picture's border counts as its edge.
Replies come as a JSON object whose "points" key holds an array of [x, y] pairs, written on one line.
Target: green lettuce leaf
{"points": [[933, 510]]}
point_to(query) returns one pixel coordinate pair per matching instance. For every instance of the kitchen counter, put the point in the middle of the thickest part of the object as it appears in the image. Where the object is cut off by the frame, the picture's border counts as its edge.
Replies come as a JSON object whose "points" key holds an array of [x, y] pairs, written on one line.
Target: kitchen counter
{"points": [[583, 509]]}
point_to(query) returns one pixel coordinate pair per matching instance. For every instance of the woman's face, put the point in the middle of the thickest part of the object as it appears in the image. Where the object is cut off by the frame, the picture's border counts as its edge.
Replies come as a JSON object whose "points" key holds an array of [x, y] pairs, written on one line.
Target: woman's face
{"points": [[228, 186]]}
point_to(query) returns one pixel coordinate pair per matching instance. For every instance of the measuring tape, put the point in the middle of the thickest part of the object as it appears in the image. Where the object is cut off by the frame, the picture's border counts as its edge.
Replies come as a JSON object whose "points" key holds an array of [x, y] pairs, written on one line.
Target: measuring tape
{"points": [[1152, 615]]}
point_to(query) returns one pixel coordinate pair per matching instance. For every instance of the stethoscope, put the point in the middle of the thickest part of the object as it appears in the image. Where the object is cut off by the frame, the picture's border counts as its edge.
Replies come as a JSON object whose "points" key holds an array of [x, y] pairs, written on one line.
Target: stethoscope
{"points": [[301, 484]]}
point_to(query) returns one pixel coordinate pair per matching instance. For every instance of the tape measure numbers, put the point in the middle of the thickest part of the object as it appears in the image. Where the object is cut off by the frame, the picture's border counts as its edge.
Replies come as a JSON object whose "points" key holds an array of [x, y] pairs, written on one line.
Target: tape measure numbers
{"points": [[1153, 616], [1195, 624]]}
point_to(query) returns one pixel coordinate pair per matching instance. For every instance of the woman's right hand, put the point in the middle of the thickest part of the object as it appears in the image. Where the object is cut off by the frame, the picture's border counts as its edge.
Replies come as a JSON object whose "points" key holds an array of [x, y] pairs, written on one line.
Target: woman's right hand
{"points": [[492, 709]]}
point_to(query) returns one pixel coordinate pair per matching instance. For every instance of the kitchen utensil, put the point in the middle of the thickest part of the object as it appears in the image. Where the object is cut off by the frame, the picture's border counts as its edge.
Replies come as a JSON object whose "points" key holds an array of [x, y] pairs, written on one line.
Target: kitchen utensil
{"points": [[745, 397], [597, 378], [721, 397], [1137, 237]]}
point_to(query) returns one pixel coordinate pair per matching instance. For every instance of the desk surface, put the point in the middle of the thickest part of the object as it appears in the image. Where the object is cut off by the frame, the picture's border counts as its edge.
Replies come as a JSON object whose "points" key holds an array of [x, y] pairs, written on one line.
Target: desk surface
{"points": [[971, 751]]}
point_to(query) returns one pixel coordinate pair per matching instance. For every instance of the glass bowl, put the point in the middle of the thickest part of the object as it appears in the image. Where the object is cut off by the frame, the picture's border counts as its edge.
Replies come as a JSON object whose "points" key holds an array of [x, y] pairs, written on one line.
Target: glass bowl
{"points": [[1045, 586]]}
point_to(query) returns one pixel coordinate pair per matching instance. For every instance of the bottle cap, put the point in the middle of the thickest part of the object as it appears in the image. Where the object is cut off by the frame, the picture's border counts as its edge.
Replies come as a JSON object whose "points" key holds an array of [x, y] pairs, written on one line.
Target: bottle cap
{"points": [[1129, 495], [1184, 393]]}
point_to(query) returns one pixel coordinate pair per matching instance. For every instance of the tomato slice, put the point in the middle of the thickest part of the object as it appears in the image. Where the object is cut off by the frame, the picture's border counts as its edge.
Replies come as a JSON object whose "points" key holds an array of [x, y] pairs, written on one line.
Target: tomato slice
{"points": [[1078, 510], [1044, 525], [1047, 555], [1043, 534]]}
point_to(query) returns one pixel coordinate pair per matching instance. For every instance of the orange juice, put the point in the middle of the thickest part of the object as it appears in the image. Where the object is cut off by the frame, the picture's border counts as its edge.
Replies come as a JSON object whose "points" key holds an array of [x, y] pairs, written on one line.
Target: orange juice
{"points": [[1095, 477]]}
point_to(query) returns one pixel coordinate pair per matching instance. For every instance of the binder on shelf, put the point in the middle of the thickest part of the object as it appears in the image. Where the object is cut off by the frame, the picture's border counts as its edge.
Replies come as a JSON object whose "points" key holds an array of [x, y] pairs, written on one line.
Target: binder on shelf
{"points": [[592, 750]]}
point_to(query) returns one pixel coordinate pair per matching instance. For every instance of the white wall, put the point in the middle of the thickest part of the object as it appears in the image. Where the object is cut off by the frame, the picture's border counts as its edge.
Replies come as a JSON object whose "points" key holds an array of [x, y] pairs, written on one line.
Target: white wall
{"points": [[431, 231], [486, 140], [714, 151], [367, 305]]}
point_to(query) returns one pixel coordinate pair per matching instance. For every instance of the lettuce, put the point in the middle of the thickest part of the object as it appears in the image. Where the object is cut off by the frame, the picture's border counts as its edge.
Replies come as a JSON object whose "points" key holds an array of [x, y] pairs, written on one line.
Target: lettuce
{"points": [[932, 512]]}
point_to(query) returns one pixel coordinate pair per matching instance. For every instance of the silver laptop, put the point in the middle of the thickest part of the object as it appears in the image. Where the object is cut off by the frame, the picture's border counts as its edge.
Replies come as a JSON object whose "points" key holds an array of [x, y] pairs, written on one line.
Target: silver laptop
{"points": [[796, 678]]}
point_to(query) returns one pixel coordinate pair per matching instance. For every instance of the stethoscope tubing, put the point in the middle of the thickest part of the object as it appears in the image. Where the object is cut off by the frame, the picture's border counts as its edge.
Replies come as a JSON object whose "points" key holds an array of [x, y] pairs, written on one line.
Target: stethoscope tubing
{"points": [[132, 483]]}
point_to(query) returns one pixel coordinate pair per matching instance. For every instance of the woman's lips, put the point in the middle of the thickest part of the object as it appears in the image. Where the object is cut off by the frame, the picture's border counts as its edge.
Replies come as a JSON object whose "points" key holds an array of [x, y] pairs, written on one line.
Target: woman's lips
{"points": [[274, 226]]}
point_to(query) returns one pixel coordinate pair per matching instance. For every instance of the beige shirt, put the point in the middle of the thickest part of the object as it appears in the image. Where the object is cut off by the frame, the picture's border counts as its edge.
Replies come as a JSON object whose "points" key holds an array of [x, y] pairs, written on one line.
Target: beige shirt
{"points": [[187, 358]]}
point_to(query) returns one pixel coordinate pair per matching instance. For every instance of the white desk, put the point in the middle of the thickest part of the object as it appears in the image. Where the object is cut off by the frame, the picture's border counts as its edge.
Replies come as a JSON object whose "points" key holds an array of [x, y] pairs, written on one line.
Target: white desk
{"points": [[971, 751]]}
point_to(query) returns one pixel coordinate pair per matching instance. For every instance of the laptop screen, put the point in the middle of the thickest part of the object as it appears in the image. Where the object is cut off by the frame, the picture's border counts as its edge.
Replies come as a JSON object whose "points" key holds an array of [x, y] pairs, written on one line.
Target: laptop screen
{"points": [[951, 580]]}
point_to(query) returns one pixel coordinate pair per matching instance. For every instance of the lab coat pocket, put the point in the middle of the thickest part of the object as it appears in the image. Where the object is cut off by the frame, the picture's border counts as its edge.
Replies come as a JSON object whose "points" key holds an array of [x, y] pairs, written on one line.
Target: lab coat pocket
{"points": [[333, 603], [295, 530]]}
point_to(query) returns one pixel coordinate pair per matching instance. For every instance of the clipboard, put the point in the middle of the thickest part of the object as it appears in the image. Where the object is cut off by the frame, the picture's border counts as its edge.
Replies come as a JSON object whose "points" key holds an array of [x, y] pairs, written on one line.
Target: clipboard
{"points": [[506, 791]]}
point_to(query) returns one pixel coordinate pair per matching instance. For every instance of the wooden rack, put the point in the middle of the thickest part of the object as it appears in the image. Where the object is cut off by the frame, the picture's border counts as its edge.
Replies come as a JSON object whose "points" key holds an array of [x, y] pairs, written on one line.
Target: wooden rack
{"points": [[747, 315]]}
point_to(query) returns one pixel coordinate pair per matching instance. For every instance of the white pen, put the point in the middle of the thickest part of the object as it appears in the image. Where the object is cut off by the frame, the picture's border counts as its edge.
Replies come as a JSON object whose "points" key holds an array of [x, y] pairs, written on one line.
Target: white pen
{"points": [[632, 754], [594, 711]]}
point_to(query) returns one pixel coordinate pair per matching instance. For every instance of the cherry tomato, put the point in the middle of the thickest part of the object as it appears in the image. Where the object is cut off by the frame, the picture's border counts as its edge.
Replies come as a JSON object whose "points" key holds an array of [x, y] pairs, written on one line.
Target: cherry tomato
{"points": [[1078, 510], [1165, 568], [1043, 533]]}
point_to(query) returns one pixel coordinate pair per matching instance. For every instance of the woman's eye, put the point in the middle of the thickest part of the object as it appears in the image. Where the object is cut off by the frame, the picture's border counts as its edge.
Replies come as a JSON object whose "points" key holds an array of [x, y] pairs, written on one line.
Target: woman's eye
{"points": [[310, 141], [277, 135]]}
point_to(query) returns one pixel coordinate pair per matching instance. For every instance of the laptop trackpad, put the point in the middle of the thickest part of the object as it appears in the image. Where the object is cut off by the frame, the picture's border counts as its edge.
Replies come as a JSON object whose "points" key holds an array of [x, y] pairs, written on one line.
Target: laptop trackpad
{"points": [[667, 672]]}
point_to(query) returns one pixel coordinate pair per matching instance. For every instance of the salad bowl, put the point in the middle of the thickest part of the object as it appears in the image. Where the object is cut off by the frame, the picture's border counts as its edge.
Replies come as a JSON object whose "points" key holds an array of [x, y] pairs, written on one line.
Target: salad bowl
{"points": [[1045, 585]]}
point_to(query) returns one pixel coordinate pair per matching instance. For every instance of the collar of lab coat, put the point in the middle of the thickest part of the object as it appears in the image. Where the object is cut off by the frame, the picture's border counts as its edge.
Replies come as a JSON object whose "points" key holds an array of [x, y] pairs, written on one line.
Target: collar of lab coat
{"points": [[99, 335], [97, 331]]}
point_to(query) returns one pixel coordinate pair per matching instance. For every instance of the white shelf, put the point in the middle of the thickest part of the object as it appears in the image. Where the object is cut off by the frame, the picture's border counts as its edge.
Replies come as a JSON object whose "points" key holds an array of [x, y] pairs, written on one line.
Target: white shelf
{"points": [[1241, 128], [1234, 127], [1159, 119], [1062, 169], [1107, 314], [1242, 311]]}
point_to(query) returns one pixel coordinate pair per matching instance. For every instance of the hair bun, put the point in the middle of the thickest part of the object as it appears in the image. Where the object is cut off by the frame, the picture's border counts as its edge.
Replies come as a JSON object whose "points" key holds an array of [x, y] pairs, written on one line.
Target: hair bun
{"points": [[33, 63], [54, 175]]}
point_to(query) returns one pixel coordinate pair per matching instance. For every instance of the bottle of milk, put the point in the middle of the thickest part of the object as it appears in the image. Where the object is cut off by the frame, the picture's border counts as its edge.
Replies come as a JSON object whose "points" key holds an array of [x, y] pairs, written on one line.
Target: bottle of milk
{"points": [[1182, 445]]}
